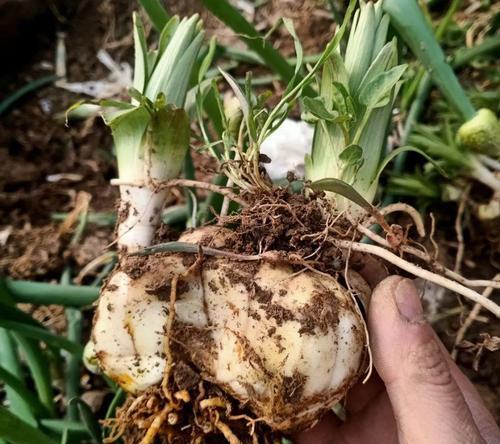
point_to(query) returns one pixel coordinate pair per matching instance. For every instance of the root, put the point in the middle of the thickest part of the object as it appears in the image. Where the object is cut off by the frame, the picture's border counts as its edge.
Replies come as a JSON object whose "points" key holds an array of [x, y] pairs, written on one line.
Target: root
{"points": [[93, 265], [226, 431], [420, 272], [205, 417], [168, 335], [369, 368], [447, 272], [428, 259], [431, 238], [225, 203], [412, 212], [459, 232], [470, 319], [155, 426]]}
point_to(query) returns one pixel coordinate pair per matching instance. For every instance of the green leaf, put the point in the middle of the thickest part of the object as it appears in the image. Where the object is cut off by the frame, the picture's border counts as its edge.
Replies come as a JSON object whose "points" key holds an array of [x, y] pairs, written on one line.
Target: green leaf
{"points": [[140, 55], [407, 18], [32, 353], [118, 400], [88, 418], [128, 130], [42, 334], [60, 425], [298, 51], [352, 155], [10, 360], [176, 89], [342, 99], [377, 92], [358, 54], [167, 33], [138, 97], [230, 16], [403, 149], [344, 189], [118, 104], [13, 382], [316, 106], [17, 431], [414, 185], [156, 12], [6, 103], [74, 321], [207, 60], [44, 293], [175, 63], [244, 105], [39, 367], [168, 142], [381, 63]]}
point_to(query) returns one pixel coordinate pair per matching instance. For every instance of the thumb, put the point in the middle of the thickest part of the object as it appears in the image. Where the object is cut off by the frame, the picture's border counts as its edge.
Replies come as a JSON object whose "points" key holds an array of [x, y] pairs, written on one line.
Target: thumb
{"points": [[427, 402]]}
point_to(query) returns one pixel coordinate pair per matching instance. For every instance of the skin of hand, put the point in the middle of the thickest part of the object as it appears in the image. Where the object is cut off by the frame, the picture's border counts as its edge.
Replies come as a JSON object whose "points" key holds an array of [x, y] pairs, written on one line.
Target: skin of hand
{"points": [[417, 394]]}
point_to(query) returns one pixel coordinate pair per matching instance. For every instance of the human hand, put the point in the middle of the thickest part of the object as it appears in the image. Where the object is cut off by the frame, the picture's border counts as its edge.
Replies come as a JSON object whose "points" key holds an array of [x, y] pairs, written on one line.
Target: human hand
{"points": [[418, 396]]}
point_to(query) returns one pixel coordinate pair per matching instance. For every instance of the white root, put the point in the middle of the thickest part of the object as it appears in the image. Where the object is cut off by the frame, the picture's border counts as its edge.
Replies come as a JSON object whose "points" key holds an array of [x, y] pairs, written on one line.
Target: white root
{"points": [[449, 273], [425, 257], [470, 319], [420, 272]]}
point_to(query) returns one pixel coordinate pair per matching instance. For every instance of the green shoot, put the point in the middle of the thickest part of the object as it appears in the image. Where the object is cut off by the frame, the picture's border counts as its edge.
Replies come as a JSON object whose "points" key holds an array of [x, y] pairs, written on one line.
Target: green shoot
{"points": [[352, 112]]}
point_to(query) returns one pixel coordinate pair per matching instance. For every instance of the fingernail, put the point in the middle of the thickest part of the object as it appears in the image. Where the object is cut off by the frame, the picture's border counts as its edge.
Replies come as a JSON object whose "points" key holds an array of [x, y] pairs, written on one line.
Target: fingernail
{"points": [[408, 301]]}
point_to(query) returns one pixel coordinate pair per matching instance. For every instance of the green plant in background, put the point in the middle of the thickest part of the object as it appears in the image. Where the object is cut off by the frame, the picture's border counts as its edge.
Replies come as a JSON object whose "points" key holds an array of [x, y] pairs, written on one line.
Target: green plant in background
{"points": [[357, 94], [31, 417], [471, 149]]}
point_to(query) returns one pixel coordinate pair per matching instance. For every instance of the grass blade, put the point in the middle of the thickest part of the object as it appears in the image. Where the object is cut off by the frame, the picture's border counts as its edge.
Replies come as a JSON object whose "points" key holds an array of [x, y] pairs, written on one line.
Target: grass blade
{"points": [[6, 103], [33, 354], [72, 382], [88, 418], [41, 334], [16, 384], [43, 293], [17, 431], [60, 425], [156, 13], [117, 400], [39, 368], [411, 24], [228, 14], [10, 360]]}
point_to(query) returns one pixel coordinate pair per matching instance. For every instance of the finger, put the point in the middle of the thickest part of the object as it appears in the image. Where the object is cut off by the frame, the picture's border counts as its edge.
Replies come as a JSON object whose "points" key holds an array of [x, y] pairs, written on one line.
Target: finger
{"points": [[482, 417], [362, 394], [416, 373], [374, 424], [325, 432]]}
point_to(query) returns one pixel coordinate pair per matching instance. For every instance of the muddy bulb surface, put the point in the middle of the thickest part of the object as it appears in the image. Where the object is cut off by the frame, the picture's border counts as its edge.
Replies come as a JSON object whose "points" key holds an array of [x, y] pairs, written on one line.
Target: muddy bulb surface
{"points": [[287, 344]]}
